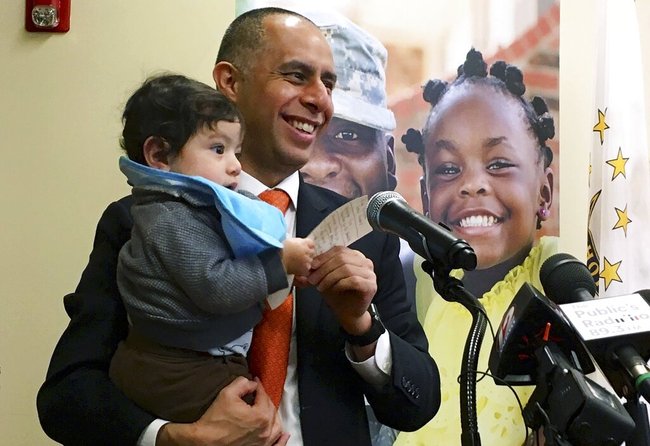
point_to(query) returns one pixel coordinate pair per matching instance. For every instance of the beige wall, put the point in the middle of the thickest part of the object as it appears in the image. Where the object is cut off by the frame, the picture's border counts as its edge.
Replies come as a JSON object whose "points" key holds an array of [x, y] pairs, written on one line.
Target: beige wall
{"points": [[577, 51], [61, 97]]}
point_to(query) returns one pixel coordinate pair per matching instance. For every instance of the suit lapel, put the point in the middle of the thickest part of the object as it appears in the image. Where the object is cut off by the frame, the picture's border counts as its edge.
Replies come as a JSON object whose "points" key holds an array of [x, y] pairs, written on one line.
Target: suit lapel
{"points": [[311, 210]]}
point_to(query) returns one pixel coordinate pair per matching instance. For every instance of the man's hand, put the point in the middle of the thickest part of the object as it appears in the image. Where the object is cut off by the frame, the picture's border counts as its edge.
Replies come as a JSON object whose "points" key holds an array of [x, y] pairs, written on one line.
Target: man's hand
{"points": [[230, 421], [347, 281]]}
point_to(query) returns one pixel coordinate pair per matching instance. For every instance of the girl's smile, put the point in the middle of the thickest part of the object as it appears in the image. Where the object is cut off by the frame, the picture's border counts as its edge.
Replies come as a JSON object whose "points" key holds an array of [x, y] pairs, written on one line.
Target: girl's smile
{"points": [[486, 182]]}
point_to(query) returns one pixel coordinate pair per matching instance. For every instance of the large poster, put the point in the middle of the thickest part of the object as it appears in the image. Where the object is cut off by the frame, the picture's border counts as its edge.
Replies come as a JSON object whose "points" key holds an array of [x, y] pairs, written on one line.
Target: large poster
{"points": [[467, 146]]}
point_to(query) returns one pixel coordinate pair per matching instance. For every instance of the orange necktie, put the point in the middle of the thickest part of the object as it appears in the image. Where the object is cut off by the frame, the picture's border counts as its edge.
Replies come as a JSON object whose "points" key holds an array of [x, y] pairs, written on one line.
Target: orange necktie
{"points": [[269, 353]]}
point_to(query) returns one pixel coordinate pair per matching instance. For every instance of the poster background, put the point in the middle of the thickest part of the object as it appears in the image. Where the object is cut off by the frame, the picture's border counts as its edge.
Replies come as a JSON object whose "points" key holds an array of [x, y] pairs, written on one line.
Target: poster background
{"points": [[429, 41]]}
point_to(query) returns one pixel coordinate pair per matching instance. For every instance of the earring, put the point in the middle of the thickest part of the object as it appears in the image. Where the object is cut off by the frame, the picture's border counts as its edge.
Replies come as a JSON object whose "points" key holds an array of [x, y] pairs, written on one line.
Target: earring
{"points": [[543, 213]]}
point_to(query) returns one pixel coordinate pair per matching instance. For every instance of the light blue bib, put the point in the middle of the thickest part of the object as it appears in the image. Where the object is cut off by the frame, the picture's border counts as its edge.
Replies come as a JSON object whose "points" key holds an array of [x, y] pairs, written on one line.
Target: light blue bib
{"points": [[251, 226]]}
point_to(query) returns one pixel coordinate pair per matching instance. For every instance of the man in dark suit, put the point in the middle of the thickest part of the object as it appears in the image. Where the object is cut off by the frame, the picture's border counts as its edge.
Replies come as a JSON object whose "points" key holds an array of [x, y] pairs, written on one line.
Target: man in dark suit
{"points": [[277, 67]]}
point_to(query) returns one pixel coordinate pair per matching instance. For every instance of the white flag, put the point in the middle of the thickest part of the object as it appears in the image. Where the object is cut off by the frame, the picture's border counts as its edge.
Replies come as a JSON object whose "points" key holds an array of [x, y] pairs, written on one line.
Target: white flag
{"points": [[619, 181]]}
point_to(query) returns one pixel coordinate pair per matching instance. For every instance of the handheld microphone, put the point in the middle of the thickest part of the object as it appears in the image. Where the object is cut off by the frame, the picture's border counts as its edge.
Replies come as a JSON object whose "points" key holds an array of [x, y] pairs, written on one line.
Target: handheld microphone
{"points": [[388, 211], [615, 329]]}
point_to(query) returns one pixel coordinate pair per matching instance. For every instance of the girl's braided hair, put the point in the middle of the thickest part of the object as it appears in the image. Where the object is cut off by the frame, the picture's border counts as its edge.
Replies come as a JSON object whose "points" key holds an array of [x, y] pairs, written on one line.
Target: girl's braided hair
{"points": [[503, 77]]}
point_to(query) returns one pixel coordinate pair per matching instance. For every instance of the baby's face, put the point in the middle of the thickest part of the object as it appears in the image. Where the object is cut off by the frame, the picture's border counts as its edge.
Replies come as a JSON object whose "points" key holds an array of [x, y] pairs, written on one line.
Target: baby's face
{"points": [[212, 154], [484, 177]]}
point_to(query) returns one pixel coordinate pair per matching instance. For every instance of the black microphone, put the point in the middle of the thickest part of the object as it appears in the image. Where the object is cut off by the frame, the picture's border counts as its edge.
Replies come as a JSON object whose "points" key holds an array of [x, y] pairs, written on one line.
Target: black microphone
{"points": [[530, 322], [537, 345], [388, 211], [615, 329], [562, 269]]}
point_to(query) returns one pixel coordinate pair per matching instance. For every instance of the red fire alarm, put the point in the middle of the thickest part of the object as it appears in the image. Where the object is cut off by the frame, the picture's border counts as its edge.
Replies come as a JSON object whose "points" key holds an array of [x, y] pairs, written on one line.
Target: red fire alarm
{"points": [[47, 16]]}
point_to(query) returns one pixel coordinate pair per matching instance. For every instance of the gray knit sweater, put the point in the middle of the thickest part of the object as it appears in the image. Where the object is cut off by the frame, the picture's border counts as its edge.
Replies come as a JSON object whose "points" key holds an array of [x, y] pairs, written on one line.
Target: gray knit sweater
{"points": [[179, 281]]}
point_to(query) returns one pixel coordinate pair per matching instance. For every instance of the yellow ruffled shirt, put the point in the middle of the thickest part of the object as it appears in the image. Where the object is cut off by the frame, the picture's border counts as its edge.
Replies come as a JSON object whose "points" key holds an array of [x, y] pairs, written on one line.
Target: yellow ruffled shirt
{"points": [[446, 325]]}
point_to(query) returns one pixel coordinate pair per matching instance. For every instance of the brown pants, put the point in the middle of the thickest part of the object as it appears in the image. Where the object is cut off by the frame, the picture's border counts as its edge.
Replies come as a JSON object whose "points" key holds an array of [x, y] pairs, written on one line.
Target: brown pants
{"points": [[172, 383]]}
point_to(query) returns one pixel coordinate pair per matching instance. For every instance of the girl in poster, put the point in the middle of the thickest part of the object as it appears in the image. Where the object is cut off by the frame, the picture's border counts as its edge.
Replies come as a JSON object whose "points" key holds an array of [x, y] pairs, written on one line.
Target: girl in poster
{"points": [[486, 176]]}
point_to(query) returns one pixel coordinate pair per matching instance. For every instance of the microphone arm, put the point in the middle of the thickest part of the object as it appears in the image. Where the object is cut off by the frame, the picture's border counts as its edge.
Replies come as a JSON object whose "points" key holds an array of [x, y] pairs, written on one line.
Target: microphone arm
{"points": [[452, 290], [638, 369]]}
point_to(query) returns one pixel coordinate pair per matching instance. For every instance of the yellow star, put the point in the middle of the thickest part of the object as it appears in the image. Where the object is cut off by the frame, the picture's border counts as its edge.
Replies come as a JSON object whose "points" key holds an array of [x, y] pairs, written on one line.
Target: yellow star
{"points": [[610, 273], [618, 164], [623, 220], [601, 126]]}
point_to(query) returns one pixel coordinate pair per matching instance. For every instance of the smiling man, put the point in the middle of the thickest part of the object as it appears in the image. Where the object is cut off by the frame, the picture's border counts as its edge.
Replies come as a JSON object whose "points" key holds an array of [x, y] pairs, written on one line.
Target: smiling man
{"points": [[277, 67]]}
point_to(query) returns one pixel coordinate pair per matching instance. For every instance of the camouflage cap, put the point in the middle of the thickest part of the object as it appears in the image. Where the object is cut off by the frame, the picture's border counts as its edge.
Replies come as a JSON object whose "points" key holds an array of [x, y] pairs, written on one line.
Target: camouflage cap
{"points": [[360, 62]]}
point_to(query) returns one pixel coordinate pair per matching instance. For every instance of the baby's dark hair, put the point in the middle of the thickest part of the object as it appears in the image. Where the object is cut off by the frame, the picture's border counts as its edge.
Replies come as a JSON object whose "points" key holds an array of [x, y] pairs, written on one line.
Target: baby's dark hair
{"points": [[505, 78], [173, 108]]}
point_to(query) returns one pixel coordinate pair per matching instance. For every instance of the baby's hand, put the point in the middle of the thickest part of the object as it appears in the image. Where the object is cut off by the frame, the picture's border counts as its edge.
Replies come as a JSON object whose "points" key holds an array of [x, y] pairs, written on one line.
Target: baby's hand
{"points": [[297, 255]]}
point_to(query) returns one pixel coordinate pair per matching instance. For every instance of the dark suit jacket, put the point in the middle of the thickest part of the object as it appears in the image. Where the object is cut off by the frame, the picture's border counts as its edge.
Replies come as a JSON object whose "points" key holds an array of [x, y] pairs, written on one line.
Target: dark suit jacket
{"points": [[79, 405]]}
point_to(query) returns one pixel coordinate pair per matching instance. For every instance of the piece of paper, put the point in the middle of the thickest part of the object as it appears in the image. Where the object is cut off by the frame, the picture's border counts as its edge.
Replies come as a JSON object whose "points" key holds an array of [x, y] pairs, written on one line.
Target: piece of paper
{"points": [[345, 225]]}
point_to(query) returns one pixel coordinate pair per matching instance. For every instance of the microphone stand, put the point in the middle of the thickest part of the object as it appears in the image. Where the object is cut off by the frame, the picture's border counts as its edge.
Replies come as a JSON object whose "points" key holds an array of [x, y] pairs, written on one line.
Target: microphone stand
{"points": [[452, 290], [639, 414]]}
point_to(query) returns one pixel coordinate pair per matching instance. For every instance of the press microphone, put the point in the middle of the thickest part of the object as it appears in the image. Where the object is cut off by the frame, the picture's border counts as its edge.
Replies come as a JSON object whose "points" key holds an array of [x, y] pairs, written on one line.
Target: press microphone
{"points": [[537, 345], [561, 269], [388, 212], [616, 330], [530, 322]]}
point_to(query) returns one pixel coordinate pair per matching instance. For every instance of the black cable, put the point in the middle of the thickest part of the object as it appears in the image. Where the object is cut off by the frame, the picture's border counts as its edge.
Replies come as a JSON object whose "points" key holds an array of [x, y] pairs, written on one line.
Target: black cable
{"points": [[547, 424], [521, 407]]}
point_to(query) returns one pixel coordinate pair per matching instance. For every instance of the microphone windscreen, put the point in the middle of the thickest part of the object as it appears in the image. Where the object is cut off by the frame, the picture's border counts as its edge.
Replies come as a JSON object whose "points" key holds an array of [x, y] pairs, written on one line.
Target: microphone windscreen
{"points": [[375, 204], [562, 274]]}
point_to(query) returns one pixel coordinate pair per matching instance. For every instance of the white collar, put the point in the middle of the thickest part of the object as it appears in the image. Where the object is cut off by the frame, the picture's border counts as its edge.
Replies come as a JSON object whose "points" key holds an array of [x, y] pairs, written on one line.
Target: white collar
{"points": [[290, 185]]}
